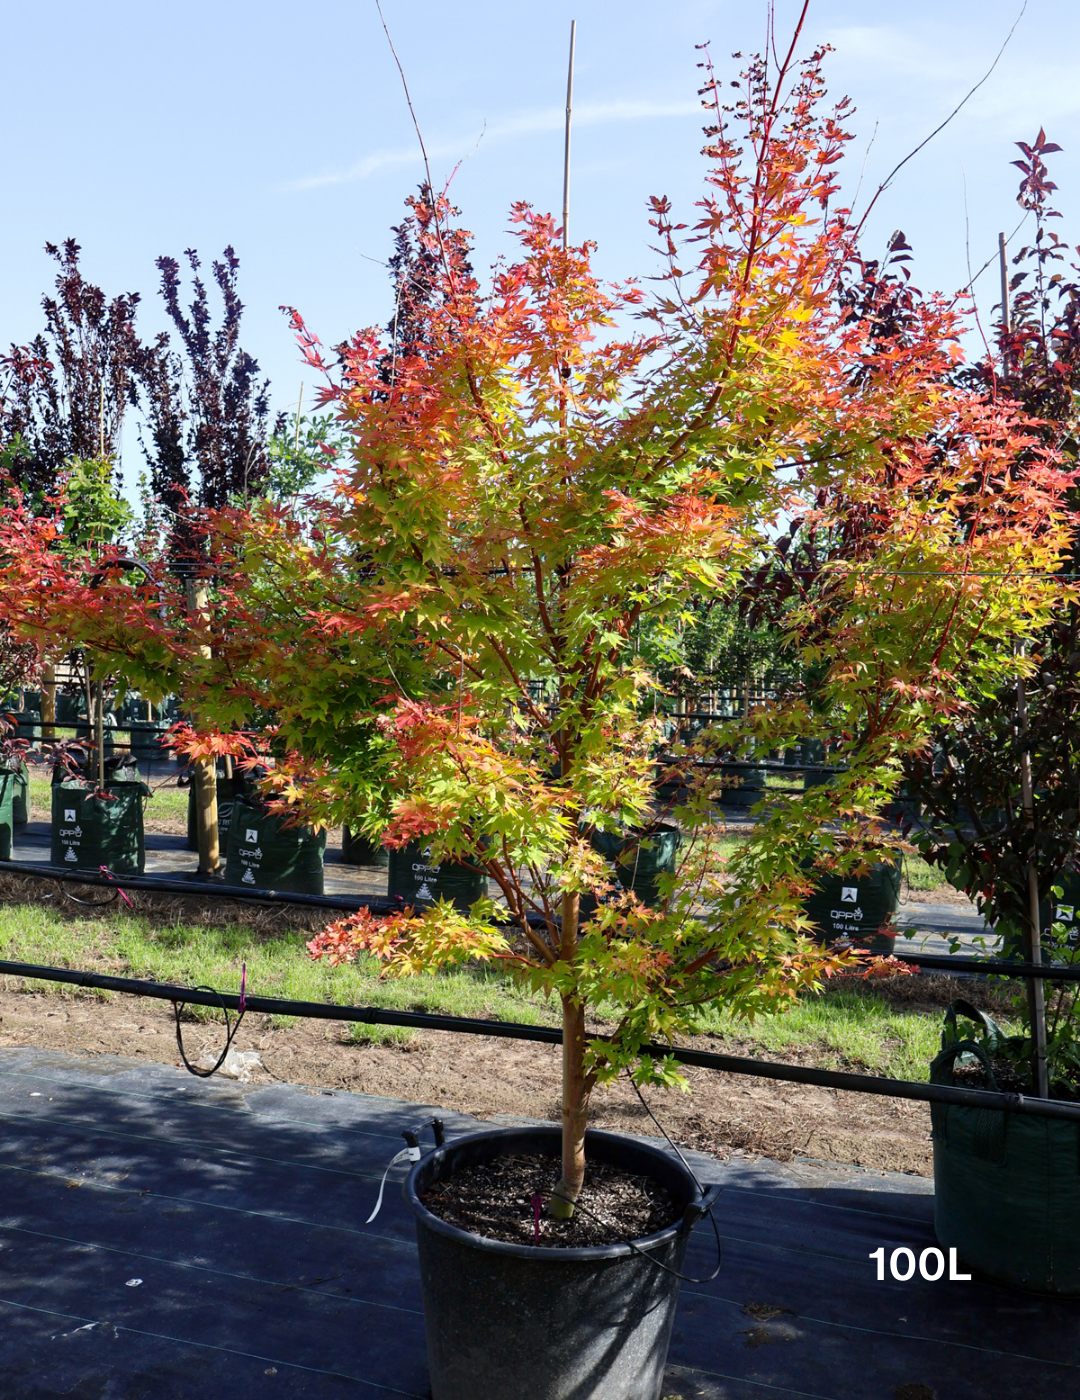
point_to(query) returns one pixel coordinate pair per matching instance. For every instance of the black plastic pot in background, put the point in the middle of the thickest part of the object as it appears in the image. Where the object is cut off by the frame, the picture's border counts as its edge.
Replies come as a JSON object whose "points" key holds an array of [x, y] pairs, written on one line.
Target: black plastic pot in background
{"points": [[744, 785], [89, 831], [858, 908], [518, 1322], [639, 858], [903, 807], [146, 740], [416, 880], [265, 854], [361, 850]]}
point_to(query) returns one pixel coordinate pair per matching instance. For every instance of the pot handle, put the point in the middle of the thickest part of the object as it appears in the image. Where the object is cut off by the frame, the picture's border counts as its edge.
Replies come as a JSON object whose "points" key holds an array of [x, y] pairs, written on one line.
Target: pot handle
{"points": [[696, 1210]]}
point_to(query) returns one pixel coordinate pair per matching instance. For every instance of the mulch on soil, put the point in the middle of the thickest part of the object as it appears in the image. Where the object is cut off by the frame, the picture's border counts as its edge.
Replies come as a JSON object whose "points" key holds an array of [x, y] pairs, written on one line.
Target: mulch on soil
{"points": [[506, 1199]]}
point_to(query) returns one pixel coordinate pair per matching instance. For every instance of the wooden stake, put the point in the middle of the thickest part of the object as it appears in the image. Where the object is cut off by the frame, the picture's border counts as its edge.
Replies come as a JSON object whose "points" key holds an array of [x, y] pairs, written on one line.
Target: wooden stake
{"points": [[566, 148]]}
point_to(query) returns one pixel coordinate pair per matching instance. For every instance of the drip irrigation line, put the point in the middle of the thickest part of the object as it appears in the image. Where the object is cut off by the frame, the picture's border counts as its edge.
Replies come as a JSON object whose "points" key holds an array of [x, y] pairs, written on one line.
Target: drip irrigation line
{"points": [[552, 1035], [165, 885]]}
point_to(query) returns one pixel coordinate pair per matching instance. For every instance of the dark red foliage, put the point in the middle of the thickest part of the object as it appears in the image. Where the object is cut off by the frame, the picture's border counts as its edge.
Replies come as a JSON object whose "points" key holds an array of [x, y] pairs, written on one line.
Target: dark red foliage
{"points": [[69, 389]]}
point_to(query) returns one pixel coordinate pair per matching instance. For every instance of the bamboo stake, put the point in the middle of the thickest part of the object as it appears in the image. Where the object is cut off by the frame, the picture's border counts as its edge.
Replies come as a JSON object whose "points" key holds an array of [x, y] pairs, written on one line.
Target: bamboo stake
{"points": [[566, 148]]}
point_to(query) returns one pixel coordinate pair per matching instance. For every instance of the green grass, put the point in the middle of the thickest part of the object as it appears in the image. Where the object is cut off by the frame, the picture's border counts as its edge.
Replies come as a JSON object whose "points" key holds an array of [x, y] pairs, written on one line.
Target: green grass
{"points": [[920, 875], [279, 966], [840, 1028], [857, 1029]]}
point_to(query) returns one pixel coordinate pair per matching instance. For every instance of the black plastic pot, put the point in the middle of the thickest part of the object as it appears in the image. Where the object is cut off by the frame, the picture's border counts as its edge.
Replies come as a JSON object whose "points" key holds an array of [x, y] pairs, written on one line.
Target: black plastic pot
{"points": [[509, 1321], [844, 906], [417, 882], [1006, 1189], [146, 739], [360, 850], [748, 784]]}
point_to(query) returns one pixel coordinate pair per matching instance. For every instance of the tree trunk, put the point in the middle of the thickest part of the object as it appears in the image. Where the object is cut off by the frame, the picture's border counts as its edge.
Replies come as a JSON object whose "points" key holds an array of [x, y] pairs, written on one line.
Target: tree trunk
{"points": [[576, 1086], [205, 775]]}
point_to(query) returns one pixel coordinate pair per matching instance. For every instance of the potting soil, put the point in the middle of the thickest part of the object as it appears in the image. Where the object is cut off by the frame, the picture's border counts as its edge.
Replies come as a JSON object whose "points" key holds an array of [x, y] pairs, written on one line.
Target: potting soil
{"points": [[507, 1199]]}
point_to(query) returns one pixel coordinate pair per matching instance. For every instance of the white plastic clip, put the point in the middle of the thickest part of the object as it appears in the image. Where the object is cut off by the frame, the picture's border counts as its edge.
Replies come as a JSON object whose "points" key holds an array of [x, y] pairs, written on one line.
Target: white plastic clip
{"points": [[411, 1154]]}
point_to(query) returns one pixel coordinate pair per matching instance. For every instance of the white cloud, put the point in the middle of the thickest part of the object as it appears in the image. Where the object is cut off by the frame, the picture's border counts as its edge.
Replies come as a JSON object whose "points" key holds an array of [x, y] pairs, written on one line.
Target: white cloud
{"points": [[505, 129], [941, 66]]}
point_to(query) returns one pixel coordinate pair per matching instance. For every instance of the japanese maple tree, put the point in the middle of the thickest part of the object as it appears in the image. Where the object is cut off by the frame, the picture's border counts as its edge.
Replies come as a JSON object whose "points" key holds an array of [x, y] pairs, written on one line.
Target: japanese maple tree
{"points": [[448, 643]]}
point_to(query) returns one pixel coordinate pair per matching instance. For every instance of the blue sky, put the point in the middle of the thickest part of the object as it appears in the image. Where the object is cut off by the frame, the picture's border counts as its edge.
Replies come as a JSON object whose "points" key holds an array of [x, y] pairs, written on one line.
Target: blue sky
{"points": [[143, 128]]}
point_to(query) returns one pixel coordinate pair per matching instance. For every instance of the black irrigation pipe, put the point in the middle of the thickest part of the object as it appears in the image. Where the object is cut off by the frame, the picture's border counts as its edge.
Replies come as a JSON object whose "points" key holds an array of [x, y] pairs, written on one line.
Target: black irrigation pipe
{"points": [[549, 1035], [994, 967], [215, 889]]}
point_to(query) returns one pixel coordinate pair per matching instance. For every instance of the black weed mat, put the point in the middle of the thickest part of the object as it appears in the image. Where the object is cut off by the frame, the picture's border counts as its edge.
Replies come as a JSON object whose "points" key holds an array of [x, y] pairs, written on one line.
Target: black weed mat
{"points": [[163, 1238]]}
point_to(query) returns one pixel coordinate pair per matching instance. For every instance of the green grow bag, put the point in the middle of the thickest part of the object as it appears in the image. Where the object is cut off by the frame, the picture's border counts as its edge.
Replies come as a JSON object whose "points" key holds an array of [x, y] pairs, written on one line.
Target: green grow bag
{"points": [[1065, 910], [857, 909], [1006, 1188], [225, 798], [90, 831], [416, 881], [360, 850], [638, 861], [28, 724], [20, 795], [7, 818], [69, 708], [266, 855], [751, 785], [146, 739]]}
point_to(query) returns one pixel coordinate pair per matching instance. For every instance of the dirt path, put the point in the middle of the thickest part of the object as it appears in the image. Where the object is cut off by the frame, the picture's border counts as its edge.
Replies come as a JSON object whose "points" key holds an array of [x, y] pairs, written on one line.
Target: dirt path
{"points": [[485, 1076]]}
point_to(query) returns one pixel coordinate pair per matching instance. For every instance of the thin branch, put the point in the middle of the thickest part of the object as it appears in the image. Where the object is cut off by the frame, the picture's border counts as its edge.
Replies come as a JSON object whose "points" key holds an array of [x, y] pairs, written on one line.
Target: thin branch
{"points": [[941, 127]]}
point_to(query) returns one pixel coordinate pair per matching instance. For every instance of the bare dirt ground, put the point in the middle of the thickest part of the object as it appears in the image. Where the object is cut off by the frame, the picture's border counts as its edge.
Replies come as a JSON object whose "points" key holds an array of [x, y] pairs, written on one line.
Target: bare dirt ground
{"points": [[486, 1077]]}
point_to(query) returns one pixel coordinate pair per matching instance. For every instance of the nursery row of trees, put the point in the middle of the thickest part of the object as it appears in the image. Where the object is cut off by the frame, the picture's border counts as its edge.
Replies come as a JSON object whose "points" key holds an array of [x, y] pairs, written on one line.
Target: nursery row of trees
{"points": [[556, 480]]}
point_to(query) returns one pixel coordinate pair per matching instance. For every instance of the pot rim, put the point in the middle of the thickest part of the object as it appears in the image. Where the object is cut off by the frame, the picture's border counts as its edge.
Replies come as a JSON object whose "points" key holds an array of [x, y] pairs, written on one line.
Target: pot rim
{"points": [[543, 1253]]}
